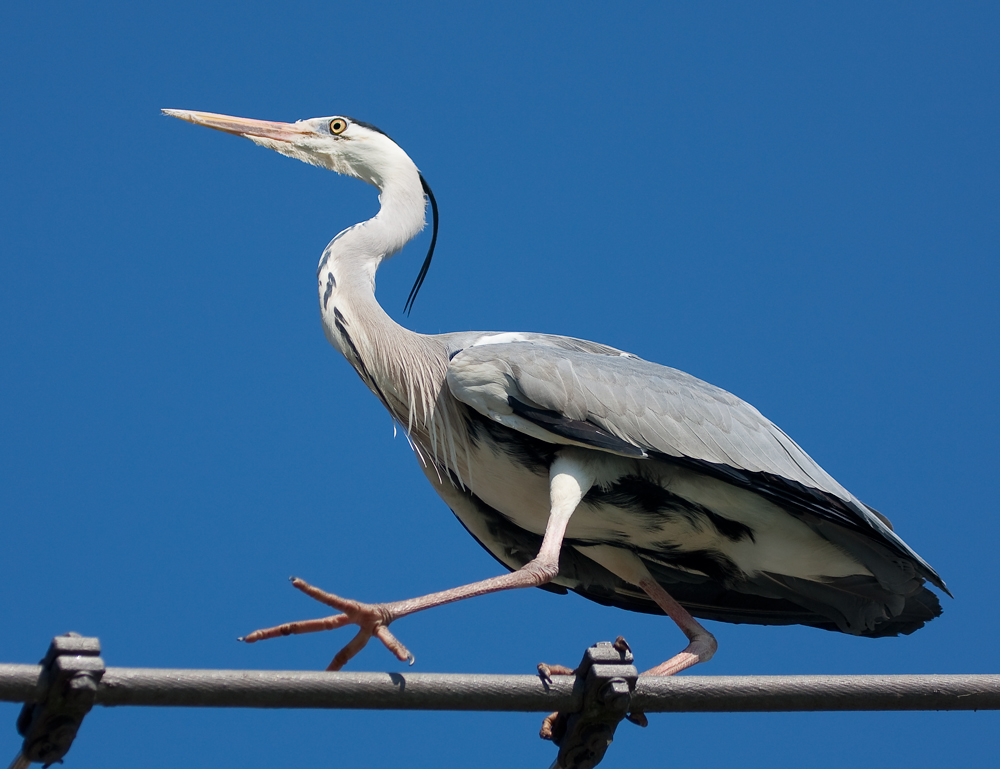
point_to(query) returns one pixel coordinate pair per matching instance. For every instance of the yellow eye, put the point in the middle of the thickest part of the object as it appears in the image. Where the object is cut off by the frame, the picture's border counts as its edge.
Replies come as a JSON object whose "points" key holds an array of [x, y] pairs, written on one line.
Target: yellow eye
{"points": [[338, 125]]}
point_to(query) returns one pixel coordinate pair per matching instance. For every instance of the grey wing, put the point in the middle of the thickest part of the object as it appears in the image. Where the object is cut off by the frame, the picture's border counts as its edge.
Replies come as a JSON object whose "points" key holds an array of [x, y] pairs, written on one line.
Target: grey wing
{"points": [[556, 390], [645, 407]]}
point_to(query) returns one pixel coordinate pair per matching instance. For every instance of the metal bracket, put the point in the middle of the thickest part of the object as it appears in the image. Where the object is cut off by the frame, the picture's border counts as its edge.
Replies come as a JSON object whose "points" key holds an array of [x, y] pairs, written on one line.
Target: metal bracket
{"points": [[607, 677], [71, 671]]}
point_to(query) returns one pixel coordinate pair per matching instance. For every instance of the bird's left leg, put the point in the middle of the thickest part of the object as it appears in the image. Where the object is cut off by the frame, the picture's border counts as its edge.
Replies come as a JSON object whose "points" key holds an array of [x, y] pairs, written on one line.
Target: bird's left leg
{"points": [[570, 477]]}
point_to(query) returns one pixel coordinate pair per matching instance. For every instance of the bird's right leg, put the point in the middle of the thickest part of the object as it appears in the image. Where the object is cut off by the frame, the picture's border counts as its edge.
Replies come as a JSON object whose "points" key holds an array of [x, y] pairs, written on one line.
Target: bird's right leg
{"points": [[627, 566], [570, 477]]}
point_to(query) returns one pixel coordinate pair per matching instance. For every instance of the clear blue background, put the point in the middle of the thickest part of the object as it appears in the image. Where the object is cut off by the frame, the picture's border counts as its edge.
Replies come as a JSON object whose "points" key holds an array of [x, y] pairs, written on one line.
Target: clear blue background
{"points": [[797, 202]]}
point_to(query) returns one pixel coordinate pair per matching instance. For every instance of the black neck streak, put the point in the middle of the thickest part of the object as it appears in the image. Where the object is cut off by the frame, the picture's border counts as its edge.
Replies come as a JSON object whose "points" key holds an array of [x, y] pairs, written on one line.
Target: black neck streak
{"points": [[356, 360]]}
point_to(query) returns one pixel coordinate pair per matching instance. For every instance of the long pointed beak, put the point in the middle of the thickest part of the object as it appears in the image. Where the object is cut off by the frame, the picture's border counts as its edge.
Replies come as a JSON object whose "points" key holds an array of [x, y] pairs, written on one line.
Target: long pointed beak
{"points": [[243, 126]]}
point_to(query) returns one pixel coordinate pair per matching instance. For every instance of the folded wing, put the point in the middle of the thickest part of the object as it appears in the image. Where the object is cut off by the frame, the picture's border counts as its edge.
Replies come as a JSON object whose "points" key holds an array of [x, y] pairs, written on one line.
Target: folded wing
{"points": [[579, 393]]}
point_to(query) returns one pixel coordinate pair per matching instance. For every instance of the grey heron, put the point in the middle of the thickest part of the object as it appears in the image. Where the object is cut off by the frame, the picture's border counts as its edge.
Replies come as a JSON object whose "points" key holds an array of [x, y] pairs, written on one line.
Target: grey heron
{"points": [[582, 467]]}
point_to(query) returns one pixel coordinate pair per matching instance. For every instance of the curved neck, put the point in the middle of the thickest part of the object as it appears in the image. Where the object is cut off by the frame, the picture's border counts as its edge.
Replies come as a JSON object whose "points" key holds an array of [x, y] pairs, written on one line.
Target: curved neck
{"points": [[390, 359], [405, 370], [357, 252]]}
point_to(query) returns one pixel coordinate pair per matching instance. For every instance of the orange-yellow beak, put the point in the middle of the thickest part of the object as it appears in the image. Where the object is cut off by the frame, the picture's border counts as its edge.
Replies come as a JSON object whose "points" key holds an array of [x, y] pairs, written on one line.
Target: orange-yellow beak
{"points": [[243, 126]]}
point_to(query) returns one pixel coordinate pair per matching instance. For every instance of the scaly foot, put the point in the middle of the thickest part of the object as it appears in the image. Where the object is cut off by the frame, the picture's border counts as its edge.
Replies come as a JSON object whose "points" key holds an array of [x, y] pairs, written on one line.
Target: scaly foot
{"points": [[554, 724], [372, 619]]}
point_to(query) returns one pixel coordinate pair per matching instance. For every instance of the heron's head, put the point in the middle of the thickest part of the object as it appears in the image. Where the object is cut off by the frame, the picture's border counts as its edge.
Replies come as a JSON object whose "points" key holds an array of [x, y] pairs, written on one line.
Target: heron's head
{"points": [[341, 144], [349, 147]]}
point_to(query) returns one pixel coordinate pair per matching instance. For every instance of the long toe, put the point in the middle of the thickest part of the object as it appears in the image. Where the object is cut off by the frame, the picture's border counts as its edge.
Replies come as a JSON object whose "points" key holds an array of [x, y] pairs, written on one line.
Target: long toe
{"points": [[545, 672], [371, 619]]}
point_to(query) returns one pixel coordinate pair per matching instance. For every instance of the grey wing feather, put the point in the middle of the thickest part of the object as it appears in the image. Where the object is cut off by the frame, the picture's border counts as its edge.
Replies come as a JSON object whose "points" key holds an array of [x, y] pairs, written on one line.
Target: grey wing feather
{"points": [[617, 402], [649, 406]]}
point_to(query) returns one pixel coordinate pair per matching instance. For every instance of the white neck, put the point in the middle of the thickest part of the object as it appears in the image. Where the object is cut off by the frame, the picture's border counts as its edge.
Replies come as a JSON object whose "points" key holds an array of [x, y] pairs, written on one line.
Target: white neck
{"points": [[357, 252], [353, 320], [405, 370]]}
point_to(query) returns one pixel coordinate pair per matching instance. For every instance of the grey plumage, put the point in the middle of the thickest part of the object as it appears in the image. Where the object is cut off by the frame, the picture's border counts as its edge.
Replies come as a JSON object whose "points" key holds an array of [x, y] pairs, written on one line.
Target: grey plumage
{"points": [[689, 426], [582, 467]]}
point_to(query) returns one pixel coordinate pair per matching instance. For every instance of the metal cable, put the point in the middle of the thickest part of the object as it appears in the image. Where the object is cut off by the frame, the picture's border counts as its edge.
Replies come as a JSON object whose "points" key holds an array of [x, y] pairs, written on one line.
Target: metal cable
{"points": [[431, 691]]}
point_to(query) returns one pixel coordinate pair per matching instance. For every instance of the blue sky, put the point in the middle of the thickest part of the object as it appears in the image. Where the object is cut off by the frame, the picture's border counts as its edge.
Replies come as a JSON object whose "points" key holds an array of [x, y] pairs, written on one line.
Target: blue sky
{"points": [[796, 202]]}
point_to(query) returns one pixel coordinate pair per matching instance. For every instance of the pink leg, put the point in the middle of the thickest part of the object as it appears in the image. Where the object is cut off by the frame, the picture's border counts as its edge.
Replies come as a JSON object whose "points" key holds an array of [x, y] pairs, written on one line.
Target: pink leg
{"points": [[627, 566], [374, 618], [702, 644], [701, 647], [569, 481]]}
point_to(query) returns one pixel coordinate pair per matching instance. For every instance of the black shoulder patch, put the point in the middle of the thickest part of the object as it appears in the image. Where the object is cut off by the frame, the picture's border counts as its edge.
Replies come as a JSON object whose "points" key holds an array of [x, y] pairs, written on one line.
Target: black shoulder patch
{"points": [[582, 432]]}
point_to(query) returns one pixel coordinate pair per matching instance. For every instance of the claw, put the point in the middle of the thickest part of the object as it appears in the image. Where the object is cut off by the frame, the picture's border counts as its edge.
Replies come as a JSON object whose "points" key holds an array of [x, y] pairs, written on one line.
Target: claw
{"points": [[554, 724], [553, 727], [637, 718]]}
